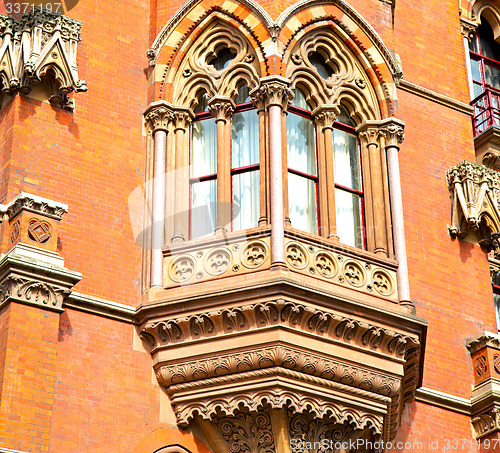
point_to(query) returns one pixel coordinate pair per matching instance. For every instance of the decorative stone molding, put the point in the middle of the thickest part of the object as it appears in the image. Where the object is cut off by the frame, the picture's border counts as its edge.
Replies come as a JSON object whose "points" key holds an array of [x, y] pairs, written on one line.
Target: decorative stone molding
{"points": [[41, 46], [181, 118], [369, 134], [468, 28], [327, 324], [273, 90], [474, 193], [247, 432], [485, 399], [325, 116], [158, 116], [37, 205], [35, 277], [221, 108], [392, 131]]}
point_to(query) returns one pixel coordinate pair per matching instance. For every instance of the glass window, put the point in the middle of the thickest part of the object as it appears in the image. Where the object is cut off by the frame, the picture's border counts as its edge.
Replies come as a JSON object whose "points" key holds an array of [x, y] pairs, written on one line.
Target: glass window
{"points": [[302, 166], [245, 163], [496, 297]]}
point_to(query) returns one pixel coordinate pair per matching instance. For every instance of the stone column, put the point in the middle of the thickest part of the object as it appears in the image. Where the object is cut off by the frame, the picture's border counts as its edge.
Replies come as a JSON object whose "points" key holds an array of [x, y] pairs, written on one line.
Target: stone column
{"points": [[324, 118], [158, 115], [369, 134], [393, 129], [468, 30], [182, 120], [222, 109], [276, 94]]}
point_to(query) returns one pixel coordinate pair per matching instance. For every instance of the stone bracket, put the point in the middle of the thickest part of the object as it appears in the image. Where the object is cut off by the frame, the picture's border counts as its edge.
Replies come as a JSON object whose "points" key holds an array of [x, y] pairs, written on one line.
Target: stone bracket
{"points": [[40, 46]]}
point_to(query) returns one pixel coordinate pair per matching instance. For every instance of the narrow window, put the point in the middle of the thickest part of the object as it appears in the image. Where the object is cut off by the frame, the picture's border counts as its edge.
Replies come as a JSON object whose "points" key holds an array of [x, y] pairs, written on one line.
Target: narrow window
{"points": [[302, 166], [245, 163]]}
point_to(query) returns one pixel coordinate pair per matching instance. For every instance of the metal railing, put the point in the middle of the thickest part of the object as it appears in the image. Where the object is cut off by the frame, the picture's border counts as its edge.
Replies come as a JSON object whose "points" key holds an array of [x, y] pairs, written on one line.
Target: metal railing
{"points": [[486, 110]]}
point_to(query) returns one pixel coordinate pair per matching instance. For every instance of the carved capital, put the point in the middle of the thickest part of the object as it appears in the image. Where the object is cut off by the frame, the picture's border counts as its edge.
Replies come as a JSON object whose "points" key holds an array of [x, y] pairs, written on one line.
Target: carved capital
{"points": [[274, 90], [181, 118], [325, 116], [486, 423], [393, 131], [468, 28], [158, 116], [221, 108], [369, 133]]}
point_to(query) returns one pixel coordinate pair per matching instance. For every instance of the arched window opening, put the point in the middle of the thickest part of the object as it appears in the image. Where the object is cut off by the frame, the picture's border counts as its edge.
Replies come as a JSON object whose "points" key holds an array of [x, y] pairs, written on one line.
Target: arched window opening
{"points": [[485, 71], [245, 175], [319, 62], [302, 166], [203, 172]]}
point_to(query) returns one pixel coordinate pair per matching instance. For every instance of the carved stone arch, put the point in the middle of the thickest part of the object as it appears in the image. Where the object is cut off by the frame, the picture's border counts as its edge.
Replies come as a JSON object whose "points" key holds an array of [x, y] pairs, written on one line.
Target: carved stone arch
{"points": [[348, 80], [489, 11], [247, 13], [195, 68], [371, 54]]}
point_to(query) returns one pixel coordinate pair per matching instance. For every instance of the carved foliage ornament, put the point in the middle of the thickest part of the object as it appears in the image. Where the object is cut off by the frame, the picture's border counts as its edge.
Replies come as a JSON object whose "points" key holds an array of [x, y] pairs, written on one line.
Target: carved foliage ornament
{"points": [[475, 195], [37, 46], [486, 423], [34, 204]]}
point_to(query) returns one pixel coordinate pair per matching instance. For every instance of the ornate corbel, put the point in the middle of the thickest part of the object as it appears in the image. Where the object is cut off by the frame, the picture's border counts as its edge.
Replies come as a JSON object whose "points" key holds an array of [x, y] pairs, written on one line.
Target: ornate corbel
{"points": [[474, 193]]}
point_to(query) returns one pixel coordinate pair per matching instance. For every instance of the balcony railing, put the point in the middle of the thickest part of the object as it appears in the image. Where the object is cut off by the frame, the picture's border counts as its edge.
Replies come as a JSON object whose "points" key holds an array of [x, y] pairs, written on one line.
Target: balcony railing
{"points": [[486, 110]]}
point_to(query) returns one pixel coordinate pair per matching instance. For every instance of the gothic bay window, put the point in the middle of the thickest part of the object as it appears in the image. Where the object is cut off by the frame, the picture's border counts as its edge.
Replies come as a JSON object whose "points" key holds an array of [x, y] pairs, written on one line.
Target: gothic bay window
{"points": [[485, 71], [302, 166]]}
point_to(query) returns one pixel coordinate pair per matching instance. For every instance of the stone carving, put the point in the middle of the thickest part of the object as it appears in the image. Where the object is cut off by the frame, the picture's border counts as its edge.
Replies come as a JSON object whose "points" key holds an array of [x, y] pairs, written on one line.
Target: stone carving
{"points": [[474, 192], [354, 273], [275, 91], [247, 432], [221, 108], [325, 116], [41, 46], [382, 283], [296, 255], [307, 319], [487, 339], [486, 423], [218, 261], [325, 264], [158, 116], [39, 231], [393, 133], [254, 254], [37, 205], [281, 356], [468, 28], [496, 363], [480, 366], [15, 231], [182, 269], [32, 291]]}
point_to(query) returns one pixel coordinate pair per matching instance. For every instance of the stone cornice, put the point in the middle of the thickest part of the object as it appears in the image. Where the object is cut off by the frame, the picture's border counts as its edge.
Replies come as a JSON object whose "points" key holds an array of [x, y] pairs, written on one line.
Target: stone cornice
{"points": [[434, 96], [486, 339], [36, 204], [443, 400], [100, 307]]}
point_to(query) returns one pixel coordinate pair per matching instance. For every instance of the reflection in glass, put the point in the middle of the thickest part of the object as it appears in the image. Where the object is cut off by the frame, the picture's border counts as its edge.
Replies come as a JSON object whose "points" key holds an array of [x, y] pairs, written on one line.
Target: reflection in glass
{"points": [[245, 145], [349, 220], [302, 203], [246, 200], [204, 148], [301, 146], [346, 160], [203, 208]]}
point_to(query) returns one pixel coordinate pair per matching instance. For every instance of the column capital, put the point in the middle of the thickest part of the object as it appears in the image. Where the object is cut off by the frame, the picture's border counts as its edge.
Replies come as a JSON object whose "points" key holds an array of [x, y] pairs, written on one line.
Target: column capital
{"points": [[468, 28], [325, 116], [369, 132], [273, 90], [393, 132], [182, 117], [158, 115], [221, 108]]}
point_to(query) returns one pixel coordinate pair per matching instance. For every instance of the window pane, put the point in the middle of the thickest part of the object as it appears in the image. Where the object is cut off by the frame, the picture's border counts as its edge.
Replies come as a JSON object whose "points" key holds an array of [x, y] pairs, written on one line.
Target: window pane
{"points": [[245, 150], [349, 221], [346, 160], [489, 47], [475, 69], [302, 203], [203, 208], [246, 200], [492, 75], [299, 100], [204, 148], [300, 142], [496, 299]]}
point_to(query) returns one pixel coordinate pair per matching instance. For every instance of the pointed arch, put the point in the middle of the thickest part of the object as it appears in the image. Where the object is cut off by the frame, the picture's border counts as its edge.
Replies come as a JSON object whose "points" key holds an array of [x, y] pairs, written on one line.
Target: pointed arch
{"points": [[490, 12]]}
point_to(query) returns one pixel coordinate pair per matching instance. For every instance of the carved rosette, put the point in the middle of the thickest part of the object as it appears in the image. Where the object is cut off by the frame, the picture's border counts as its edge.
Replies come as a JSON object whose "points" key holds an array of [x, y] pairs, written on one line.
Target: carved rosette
{"points": [[475, 194], [158, 116]]}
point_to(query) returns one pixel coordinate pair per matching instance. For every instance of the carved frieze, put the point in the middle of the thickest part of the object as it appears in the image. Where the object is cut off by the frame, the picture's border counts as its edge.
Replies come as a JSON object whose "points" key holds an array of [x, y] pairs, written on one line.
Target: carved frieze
{"points": [[41, 45], [165, 333], [475, 195], [37, 205]]}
